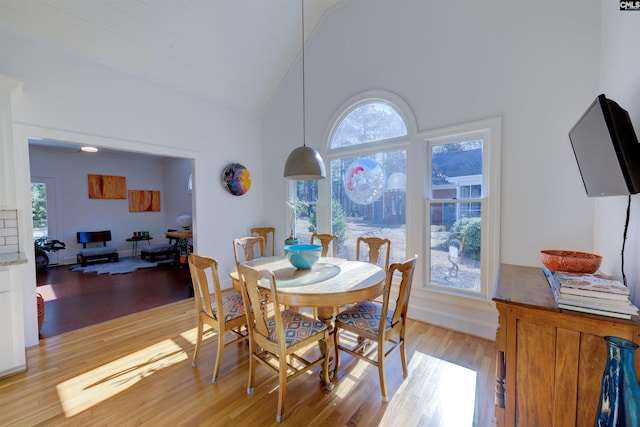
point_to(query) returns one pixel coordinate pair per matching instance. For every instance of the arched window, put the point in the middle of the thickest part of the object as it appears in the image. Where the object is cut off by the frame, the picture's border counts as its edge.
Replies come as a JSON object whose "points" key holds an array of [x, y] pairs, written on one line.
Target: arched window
{"points": [[370, 191], [367, 160], [368, 122]]}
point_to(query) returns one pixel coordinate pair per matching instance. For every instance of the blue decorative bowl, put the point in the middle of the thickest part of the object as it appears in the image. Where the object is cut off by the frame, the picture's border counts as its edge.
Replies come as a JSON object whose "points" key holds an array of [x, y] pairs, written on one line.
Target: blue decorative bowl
{"points": [[303, 256]]}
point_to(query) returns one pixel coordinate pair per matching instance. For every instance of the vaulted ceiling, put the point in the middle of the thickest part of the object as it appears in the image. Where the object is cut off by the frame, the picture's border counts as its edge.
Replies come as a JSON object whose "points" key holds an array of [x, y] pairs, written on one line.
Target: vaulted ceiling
{"points": [[235, 52]]}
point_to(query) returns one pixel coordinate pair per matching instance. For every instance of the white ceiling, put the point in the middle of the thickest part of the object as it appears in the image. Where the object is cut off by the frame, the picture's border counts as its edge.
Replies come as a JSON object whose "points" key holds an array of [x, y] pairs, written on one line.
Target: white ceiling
{"points": [[235, 52]]}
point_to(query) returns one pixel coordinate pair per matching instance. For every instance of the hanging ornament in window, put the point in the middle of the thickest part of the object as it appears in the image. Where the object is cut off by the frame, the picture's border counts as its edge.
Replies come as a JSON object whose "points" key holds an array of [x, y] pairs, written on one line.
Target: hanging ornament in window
{"points": [[364, 181]]}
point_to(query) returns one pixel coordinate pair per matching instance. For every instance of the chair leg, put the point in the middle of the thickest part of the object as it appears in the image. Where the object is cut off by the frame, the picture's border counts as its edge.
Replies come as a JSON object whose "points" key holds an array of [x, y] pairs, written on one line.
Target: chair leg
{"points": [[383, 381], [282, 392], [252, 366], [403, 358], [216, 368], [198, 342]]}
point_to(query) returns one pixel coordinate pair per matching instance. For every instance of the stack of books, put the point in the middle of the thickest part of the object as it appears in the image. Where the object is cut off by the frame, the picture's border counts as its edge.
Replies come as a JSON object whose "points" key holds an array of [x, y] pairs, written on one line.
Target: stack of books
{"points": [[591, 293]]}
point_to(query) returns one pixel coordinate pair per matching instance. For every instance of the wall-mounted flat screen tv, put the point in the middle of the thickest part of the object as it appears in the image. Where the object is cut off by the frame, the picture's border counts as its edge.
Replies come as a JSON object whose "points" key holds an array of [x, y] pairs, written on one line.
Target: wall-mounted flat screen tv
{"points": [[607, 150]]}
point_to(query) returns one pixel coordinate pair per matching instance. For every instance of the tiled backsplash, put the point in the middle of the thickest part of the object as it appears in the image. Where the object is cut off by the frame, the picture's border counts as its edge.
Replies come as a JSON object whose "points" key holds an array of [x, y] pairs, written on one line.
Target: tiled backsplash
{"points": [[9, 231]]}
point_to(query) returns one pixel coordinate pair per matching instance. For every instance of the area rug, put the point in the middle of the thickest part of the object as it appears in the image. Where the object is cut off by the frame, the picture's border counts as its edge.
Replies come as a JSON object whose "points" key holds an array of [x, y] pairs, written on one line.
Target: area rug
{"points": [[124, 266]]}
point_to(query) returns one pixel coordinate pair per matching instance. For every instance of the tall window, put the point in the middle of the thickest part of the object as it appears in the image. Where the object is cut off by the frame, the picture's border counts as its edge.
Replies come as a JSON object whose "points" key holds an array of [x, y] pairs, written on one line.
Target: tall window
{"points": [[371, 191], [367, 158], [462, 206]]}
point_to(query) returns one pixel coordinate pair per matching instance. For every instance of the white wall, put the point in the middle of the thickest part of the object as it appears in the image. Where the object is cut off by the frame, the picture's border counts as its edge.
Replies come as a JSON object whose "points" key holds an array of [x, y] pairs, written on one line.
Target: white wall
{"points": [[620, 81], [73, 99], [536, 64], [77, 212]]}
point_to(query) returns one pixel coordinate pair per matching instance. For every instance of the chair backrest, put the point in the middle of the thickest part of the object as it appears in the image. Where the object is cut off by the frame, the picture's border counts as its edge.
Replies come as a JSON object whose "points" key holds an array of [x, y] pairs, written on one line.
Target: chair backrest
{"points": [[244, 248], [406, 270], [374, 244], [85, 237], [265, 232], [325, 241], [198, 266], [257, 313]]}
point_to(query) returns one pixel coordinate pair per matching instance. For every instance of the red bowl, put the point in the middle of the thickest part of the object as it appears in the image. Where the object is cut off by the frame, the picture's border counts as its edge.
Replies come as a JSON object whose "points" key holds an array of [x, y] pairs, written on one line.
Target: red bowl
{"points": [[571, 261]]}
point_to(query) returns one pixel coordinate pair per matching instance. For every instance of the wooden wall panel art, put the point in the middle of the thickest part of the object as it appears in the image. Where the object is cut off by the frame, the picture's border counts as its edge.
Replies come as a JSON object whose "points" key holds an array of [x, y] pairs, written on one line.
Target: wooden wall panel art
{"points": [[107, 187], [144, 201]]}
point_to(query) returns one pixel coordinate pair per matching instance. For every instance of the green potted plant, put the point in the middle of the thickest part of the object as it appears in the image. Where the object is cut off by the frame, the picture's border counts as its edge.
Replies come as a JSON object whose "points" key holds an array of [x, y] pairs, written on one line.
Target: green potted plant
{"points": [[42, 245]]}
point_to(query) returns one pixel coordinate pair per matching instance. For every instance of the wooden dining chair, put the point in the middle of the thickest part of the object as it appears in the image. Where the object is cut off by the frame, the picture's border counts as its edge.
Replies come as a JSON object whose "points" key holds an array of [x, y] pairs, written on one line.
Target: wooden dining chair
{"points": [[378, 252], [266, 232], [326, 240], [373, 322], [223, 310], [280, 338], [248, 248]]}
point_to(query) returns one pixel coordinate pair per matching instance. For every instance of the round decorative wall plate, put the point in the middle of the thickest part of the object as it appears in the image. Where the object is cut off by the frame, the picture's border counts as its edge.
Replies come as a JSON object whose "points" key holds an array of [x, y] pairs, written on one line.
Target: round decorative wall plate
{"points": [[364, 181], [236, 179]]}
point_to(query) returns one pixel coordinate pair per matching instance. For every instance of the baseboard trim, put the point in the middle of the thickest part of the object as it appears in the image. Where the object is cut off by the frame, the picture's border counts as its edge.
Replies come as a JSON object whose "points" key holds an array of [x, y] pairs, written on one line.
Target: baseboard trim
{"points": [[473, 317]]}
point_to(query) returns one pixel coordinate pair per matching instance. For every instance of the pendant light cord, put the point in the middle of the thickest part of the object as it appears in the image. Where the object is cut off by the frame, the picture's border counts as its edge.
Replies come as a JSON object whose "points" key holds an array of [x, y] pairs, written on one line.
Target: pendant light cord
{"points": [[304, 103], [624, 240]]}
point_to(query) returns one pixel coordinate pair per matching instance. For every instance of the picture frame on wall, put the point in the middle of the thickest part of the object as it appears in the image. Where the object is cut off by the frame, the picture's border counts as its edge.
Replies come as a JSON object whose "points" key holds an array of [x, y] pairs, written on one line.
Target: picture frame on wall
{"points": [[144, 201], [107, 186]]}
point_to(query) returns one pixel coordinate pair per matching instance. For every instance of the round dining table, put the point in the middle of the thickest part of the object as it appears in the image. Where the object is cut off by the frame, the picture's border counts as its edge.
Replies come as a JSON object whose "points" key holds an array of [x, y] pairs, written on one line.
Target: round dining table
{"points": [[330, 282]]}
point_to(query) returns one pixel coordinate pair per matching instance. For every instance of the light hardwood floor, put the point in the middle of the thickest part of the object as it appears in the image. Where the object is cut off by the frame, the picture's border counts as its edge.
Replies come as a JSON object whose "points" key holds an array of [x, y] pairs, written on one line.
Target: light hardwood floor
{"points": [[136, 370]]}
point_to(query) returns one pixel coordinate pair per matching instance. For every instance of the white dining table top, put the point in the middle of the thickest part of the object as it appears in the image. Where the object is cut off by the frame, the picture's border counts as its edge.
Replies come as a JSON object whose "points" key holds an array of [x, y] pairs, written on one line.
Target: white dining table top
{"points": [[330, 281]]}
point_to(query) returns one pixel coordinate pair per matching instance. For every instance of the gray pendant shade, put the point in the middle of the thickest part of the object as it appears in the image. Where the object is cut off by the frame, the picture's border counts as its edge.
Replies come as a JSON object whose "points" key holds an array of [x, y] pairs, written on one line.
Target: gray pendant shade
{"points": [[304, 163]]}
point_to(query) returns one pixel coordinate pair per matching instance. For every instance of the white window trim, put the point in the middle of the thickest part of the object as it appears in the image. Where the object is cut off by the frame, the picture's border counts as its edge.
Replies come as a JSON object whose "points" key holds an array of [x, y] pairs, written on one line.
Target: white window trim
{"points": [[490, 130], [471, 314], [323, 210], [366, 97]]}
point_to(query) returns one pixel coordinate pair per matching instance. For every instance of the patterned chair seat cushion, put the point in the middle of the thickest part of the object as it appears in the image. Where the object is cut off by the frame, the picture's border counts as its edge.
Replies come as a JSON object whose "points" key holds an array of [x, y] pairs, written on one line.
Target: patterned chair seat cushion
{"points": [[232, 306], [365, 316], [297, 327]]}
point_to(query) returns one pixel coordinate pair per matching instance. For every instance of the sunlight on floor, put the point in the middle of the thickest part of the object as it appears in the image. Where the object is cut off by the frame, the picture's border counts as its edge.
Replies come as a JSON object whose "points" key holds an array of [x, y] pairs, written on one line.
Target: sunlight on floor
{"points": [[355, 372], [346, 384], [436, 393], [84, 391], [192, 334], [47, 292]]}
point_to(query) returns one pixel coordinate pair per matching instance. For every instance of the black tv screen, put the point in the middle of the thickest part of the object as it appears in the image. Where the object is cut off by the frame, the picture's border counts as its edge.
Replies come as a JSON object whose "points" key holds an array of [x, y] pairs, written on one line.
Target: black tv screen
{"points": [[607, 150]]}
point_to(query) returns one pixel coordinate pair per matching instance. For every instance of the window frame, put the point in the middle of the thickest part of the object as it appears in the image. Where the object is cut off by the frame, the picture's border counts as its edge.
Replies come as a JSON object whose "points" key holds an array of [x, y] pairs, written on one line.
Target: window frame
{"points": [[490, 132], [418, 174], [323, 207]]}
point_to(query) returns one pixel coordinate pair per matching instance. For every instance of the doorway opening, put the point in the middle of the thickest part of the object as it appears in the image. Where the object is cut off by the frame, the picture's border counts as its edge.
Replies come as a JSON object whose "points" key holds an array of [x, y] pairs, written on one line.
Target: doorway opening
{"points": [[73, 299]]}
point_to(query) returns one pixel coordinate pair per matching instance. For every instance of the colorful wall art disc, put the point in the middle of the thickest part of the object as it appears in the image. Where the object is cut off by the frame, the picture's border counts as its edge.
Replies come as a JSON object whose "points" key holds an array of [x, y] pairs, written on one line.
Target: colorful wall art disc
{"points": [[364, 181], [236, 179]]}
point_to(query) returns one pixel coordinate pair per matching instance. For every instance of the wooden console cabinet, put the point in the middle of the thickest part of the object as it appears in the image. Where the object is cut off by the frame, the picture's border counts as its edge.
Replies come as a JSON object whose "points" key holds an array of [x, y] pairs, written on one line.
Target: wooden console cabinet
{"points": [[549, 361]]}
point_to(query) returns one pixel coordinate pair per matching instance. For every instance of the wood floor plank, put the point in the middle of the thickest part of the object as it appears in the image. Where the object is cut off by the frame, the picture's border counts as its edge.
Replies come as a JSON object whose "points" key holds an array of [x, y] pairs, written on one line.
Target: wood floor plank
{"points": [[136, 370]]}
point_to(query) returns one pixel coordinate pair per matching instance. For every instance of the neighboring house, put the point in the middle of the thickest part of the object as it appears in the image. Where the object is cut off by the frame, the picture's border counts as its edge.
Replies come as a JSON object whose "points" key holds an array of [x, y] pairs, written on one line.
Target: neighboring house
{"points": [[456, 175]]}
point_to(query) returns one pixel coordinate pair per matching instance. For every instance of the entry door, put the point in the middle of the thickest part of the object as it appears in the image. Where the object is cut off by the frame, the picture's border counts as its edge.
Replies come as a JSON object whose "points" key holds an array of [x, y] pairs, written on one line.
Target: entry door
{"points": [[43, 203]]}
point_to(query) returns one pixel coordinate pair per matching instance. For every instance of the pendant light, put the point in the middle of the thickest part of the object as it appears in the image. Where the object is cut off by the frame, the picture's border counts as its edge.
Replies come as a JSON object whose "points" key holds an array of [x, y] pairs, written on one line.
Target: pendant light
{"points": [[304, 163]]}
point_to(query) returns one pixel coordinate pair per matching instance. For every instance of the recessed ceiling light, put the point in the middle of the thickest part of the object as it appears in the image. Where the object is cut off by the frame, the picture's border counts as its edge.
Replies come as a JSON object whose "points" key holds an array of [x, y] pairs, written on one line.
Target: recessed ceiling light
{"points": [[88, 149]]}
